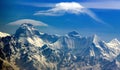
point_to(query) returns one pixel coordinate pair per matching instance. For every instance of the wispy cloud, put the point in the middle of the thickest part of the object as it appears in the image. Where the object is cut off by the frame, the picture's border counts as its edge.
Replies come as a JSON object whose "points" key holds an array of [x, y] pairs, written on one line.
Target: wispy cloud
{"points": [[59, 9], [102, 4], [62, 8], [115, 5], [31, 21]]}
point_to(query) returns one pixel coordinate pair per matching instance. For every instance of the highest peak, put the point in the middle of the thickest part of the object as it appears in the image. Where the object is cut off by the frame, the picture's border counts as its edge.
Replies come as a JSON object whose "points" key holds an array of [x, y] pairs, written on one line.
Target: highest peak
{"points": [[26, 25], [26, 29], [73, 33]]}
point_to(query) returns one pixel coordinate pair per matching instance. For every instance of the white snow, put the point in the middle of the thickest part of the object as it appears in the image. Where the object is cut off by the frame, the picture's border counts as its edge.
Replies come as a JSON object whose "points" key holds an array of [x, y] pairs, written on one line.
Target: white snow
{"points": [[36, 41], [114, 43], [114, 48], [4, 34], [92, 53]]}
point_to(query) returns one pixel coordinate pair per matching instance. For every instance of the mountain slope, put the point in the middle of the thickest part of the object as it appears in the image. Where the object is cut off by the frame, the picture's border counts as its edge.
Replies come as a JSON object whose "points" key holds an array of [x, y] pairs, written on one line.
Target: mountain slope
{"points": [[3, 34], [30, 49]]}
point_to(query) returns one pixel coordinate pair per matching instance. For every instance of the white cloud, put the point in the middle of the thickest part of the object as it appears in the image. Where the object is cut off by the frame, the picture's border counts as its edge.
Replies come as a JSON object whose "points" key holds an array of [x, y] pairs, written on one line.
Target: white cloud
{"points": [[62, 8], [31, 21], [68, 7]]}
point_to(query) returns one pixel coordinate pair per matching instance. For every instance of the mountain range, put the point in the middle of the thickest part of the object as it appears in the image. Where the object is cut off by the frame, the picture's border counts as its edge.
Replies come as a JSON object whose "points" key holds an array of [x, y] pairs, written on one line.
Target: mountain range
{"points": [[29, 49]]}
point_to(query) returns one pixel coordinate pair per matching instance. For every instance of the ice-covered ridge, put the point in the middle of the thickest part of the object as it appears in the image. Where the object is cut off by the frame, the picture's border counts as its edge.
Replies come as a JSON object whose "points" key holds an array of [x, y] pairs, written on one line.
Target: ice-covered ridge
{"points": [[4, 34], [114, 42]]}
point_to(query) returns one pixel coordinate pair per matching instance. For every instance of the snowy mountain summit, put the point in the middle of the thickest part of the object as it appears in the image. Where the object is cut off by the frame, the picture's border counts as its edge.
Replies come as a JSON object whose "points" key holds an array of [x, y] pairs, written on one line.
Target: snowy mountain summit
{"points": [[26, 33], [30, 49], [73, 33], [25, 29]]}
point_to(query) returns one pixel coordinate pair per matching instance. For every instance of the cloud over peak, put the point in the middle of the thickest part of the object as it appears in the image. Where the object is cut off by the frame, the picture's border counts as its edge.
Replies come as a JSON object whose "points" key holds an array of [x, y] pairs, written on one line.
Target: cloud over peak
{"points": [[31, 21], [61, 8], [70, 7]]}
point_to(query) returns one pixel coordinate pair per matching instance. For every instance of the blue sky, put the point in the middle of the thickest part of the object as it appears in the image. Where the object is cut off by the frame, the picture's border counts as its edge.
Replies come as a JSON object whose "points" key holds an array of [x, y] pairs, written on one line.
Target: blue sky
{"points": [[88, 17]]}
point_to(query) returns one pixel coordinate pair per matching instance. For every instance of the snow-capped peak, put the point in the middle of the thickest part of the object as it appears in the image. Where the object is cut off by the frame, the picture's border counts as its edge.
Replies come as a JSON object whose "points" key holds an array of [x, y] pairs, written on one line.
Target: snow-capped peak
{"points": [[27, 26], [27, 30], [114, 42], [26, 33], [73, 34], [4, 34]]}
